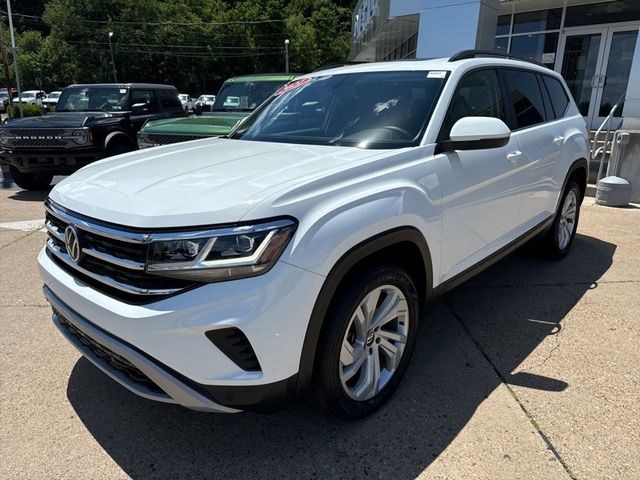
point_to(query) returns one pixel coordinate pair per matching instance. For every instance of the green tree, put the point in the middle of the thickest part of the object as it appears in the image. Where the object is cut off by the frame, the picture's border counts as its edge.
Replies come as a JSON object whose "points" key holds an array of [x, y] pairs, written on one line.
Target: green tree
{"points": [[193, 45]]}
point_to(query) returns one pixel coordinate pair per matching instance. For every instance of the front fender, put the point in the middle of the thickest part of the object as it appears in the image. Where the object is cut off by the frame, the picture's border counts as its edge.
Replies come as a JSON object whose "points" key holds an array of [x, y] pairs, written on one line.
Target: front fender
{"points": [[331, 229]]}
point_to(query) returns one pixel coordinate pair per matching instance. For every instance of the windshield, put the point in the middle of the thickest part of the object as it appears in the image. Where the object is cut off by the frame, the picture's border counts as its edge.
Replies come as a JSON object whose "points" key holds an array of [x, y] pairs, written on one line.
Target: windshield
{"points": [[206, 98], [245, 96], [53, 95], [27, 94], [93, 98], [367, 110]]}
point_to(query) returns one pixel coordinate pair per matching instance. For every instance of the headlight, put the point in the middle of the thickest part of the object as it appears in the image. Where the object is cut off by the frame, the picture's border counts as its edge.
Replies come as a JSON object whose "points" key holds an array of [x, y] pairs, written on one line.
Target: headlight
{"points": [[80, 137], [4, 138], [217, 255], [144, 141]]}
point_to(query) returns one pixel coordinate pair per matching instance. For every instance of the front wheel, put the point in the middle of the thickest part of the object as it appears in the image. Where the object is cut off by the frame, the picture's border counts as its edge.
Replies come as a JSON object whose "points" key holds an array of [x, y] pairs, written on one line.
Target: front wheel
{"points": [[31, 181], [367, 343], [118, 149]]}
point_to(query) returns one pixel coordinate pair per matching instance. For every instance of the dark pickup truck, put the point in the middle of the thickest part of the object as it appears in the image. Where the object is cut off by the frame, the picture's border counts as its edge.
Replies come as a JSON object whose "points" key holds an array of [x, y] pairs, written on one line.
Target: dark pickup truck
{"points": [[90, 122]]}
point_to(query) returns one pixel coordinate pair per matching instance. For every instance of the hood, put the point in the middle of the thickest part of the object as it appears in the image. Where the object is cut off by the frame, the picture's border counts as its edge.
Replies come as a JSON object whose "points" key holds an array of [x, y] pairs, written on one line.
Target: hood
{"points": [[203, 182], [216, 123], [55, 120]]}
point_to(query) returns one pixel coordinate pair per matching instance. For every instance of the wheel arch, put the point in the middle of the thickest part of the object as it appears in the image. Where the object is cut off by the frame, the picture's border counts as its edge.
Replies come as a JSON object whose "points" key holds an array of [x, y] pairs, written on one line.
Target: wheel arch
{"points": [[579, 171], [116, 137], [399, 244]]}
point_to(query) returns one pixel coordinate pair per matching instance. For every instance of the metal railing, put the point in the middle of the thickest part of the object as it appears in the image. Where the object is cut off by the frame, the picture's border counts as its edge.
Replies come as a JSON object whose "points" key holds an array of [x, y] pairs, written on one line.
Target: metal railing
{"points": [[602, 151]]}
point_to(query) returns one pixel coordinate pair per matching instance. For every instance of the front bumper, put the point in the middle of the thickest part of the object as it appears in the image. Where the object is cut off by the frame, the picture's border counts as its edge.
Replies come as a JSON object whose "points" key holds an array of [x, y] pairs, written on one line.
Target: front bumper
{"points": [[166, 340], [62, 161]]}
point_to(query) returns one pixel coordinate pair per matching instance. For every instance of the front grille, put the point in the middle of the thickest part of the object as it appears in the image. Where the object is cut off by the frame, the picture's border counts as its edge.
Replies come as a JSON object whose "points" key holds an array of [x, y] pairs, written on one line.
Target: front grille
{"points": [[114, 360], [40, 142], [38, 137], [158, 139], [38, 132], [112, 260]]}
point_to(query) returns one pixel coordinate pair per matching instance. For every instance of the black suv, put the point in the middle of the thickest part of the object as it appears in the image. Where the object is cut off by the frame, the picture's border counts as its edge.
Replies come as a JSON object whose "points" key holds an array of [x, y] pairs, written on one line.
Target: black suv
{"points": [[90, 122]]}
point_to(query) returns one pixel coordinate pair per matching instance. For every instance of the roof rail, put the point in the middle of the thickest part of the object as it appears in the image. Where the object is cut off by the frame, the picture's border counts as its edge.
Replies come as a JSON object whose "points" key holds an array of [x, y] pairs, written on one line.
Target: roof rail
{"points": [[465, 54], [336, 65]]}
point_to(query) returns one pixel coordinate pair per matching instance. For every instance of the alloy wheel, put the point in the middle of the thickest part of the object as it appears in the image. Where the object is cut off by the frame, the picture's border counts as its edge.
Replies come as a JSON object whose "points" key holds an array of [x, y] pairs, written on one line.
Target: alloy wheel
{"points": [[567, 221], [374, 342]]}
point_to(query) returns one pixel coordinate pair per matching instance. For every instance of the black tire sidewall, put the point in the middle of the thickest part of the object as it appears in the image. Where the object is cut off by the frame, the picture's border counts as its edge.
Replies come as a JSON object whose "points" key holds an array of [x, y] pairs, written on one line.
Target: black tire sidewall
{"points": [[118, 149], [31, 181], [557, 251], [327, 385]]}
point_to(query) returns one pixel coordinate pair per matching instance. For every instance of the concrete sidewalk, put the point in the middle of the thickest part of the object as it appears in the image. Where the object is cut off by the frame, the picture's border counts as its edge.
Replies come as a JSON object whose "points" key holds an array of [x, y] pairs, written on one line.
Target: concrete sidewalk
{"points": [[528, 371]]}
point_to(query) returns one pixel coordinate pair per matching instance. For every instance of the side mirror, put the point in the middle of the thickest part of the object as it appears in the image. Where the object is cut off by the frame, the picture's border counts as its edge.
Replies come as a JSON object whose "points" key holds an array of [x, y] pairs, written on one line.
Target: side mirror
{"points": [[478, 133], [139, 108]]}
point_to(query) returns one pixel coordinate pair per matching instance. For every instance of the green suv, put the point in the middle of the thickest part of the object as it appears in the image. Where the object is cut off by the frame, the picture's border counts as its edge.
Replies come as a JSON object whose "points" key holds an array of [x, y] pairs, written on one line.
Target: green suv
{"points": [[238, 97]]}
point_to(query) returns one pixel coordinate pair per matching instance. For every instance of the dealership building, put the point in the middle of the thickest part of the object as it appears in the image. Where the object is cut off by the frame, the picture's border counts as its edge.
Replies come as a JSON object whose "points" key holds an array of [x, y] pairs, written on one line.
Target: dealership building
{"points": [[594, 44]]}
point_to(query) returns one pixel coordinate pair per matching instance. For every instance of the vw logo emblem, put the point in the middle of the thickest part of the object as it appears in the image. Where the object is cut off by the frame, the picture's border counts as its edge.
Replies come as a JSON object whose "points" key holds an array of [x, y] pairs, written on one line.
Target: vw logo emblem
{"points": [[72, 242]]}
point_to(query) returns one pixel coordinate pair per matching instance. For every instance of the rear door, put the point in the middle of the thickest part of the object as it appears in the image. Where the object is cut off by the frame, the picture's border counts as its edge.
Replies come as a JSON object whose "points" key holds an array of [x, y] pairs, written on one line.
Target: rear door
{"points": [[480, 187], [540, 138]]}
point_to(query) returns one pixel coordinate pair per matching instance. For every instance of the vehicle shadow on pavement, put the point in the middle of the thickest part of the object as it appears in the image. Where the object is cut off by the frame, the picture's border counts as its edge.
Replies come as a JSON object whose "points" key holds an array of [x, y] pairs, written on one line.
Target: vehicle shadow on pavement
{"points": [[505, 312], [30, 195]]}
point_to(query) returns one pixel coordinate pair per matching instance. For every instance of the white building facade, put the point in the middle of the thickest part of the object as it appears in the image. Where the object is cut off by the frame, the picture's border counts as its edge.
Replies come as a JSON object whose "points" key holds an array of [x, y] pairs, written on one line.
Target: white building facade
{"points": [[593, 43]]}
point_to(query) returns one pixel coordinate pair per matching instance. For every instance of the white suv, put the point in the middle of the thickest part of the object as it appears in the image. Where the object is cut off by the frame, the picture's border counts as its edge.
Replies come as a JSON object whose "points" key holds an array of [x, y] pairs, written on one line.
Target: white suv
{"points": [[295, 256]]}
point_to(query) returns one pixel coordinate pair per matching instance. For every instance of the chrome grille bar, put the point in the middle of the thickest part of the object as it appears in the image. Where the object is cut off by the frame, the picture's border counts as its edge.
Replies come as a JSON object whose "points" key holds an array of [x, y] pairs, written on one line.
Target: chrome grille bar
{"points": [[121, 262], [121, 235], [62, 256], [54, 231]]}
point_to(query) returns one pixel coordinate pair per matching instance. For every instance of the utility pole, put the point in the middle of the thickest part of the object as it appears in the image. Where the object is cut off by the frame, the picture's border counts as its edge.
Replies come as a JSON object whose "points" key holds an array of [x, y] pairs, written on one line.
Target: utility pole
{"points": [[113, 62], [286, 55], [5, 66], [15, 57]]}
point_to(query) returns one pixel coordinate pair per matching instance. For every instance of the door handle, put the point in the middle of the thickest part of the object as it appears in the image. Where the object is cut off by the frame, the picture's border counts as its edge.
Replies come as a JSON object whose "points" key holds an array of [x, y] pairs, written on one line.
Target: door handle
{"points": [[559, 140], [514, 156]]}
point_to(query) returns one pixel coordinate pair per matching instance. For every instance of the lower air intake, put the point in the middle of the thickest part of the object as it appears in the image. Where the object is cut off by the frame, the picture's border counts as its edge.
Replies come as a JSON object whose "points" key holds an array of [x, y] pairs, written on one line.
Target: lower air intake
{"points": [[235, 345]]}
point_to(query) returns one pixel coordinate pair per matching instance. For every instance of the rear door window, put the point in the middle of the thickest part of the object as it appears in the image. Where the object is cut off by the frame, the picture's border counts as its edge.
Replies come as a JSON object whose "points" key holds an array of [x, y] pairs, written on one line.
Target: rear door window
{"points": [[557, 94], [478, 95], [525, 96]]}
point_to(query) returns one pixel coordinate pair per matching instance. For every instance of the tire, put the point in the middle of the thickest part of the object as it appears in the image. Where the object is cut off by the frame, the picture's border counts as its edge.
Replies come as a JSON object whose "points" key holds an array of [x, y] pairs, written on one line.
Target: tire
{"points": [[340, 386], [556, 242], [118, 149], [31, 181]]}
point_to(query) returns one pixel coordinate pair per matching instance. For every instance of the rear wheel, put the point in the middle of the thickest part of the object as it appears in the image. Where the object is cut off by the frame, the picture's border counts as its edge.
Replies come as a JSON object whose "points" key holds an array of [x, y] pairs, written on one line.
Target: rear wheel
{"points": [[31, 181], [557, 241], [365, 350]]}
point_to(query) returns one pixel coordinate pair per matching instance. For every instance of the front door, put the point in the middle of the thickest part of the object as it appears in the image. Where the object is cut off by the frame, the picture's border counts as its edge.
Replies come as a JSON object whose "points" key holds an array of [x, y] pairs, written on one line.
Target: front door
{"points": [[596, 63]]}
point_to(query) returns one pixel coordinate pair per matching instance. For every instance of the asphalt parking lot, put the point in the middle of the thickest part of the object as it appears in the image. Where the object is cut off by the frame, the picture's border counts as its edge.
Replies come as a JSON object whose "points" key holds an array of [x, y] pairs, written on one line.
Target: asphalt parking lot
{"points": [[528, 371]]}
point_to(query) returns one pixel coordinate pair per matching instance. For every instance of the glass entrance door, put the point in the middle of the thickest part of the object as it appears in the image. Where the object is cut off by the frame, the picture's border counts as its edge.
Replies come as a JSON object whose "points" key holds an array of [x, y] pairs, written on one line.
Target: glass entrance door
{"points": [[596, 63]]}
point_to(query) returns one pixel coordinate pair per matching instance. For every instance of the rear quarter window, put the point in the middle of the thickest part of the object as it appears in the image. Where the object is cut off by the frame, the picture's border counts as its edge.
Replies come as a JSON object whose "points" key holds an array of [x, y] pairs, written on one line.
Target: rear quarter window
{"points": [[557, 94]]}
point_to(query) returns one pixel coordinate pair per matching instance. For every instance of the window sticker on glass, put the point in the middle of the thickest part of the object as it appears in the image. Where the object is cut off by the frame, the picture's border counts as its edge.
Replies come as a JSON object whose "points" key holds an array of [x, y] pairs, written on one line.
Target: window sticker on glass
{"points": [[123, 90], [436, 74], [292, 85]]}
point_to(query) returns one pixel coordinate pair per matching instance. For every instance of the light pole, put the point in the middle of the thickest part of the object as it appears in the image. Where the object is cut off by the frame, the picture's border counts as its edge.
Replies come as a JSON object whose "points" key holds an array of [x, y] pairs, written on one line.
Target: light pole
{"points": [[15, 58], [286, 55], [113, 62]]}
